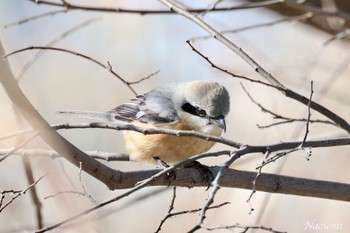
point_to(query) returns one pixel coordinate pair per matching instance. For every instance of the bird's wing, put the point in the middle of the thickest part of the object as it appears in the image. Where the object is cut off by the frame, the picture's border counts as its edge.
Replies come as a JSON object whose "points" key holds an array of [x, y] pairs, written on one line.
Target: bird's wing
{"points": [[155, 107], [98, 116]]}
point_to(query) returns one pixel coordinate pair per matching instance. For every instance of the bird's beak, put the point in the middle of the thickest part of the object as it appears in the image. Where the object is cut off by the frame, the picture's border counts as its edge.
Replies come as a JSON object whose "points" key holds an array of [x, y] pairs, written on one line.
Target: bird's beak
{"points": [[220, 121]]}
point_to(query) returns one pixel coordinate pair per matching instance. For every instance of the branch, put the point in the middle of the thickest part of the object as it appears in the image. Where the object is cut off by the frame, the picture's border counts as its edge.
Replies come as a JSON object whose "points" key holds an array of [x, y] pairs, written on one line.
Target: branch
{"points": [[70, 6], [50, 136], [302, 17], [107, 67], [16, 194], [278, 116], [26, 20], [244, 227], [253, 148], [107, 156], [231, 178], [58, 38], [260, 70]]}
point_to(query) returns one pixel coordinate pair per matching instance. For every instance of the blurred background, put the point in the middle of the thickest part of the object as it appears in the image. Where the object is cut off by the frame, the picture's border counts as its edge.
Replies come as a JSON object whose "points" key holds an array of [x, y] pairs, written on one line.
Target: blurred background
{"points": [[295, 52]]}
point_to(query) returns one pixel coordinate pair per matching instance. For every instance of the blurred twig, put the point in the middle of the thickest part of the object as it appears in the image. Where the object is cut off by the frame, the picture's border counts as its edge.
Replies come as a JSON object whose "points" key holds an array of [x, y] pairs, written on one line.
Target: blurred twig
{"points": [[60, 37], [15, 194], [26, 20], [260, 25], [70, 6], [107, 156]]}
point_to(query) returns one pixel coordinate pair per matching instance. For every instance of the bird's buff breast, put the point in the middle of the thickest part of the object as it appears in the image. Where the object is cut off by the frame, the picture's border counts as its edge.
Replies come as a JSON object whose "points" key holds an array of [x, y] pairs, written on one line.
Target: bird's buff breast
{"points": [[168, 148]]}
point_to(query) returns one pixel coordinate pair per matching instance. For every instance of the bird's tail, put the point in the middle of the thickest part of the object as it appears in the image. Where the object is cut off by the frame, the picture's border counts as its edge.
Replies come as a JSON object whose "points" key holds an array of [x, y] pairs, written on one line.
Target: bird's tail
{"points": [[99, 116]]}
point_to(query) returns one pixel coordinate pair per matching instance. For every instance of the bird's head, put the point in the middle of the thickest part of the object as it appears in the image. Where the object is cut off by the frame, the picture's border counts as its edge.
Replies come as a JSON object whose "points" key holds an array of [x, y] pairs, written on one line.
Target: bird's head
{"points": [[204, 105]]}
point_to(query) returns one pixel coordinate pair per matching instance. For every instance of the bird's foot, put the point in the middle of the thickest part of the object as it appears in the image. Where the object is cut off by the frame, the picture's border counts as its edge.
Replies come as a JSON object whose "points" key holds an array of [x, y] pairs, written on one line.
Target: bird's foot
{"points": [[207, 174], [170, 175]]}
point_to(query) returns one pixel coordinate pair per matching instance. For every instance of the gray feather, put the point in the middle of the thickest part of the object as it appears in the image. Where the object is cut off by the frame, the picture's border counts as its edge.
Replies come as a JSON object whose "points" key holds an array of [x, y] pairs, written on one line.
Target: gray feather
{"points": [[155, 107], [99, 116]]}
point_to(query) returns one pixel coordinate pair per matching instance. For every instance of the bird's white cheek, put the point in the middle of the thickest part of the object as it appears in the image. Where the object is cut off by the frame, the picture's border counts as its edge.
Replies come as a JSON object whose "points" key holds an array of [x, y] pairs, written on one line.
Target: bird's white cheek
{"points": [[211, 129], [204, 126]]}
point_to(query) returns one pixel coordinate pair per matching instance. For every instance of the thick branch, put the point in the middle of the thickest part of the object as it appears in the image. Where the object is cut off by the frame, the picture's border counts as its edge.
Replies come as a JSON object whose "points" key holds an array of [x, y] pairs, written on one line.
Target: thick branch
{"points": [[51, 137], [243, 179]]}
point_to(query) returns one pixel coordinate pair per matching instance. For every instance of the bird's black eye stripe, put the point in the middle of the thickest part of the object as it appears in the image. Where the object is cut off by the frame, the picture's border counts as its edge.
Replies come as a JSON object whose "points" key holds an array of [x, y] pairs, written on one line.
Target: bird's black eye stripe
{"points": [[187, 107]]}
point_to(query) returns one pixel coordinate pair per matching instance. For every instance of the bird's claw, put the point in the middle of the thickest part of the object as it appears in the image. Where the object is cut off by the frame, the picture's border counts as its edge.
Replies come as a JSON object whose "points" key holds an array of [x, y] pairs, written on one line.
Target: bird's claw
{"points": [[169, 175], [207, 174]]}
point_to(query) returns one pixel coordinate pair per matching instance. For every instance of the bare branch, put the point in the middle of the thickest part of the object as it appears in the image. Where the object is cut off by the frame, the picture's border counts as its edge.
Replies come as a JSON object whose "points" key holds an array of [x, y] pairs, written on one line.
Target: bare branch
{"points": [[254, 148], [244, 227], [278, 116], [144, 78], [254, 182], [66, 192], [255, 26], [216, 186], [26, 20], [10, 152], [259, 69], [50, 136], [83, 187], [226, 71], [338, 36], [16, 194], [170, 215], [60, 37], [308, 115], [171, 207], [107, 67], [107, 156], [70, 6]]}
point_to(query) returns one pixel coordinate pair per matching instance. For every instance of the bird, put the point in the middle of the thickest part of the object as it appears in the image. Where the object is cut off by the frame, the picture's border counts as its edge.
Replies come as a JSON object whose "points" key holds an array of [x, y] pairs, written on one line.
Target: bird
{"points": [[199, 106]]}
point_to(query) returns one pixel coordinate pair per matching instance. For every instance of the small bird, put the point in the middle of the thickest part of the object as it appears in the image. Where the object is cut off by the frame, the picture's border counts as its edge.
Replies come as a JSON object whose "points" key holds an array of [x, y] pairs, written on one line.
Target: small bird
{"points": [[198, 106]]}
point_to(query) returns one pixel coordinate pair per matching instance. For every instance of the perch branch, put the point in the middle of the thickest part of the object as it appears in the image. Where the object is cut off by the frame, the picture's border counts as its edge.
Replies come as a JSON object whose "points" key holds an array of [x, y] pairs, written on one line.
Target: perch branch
{"points": [[259, 69]]}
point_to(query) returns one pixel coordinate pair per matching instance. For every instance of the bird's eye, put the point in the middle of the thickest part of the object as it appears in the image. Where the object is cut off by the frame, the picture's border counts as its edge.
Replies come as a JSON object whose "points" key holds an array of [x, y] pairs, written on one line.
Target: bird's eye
{"points": [[201, 112], [187, 107]]}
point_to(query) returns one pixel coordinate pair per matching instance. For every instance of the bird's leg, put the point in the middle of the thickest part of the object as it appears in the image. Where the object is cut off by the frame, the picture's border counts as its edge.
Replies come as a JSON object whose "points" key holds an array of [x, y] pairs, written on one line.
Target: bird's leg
{"points": [[207, 174], [170, 175]]}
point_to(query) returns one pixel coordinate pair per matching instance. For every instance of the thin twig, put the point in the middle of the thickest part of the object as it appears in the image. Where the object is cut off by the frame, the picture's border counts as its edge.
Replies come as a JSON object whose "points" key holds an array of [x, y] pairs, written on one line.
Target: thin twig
{"points": [[278, 116], [17, 193], [18, 147], [244, 227], [107, 156], [70, 6], [65, 192], [55, 40], [26, 20], [216, 186], [338, 36], [170, 215], [226, 71], [171, 207], [144, 78], [83, 187], [258, 174], [308, 115], [255, 26], [107, 67]]}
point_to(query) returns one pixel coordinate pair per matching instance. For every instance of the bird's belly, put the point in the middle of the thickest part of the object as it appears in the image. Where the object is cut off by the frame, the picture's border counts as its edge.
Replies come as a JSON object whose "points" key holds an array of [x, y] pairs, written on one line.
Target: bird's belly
{"points": [[168, 148]]}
